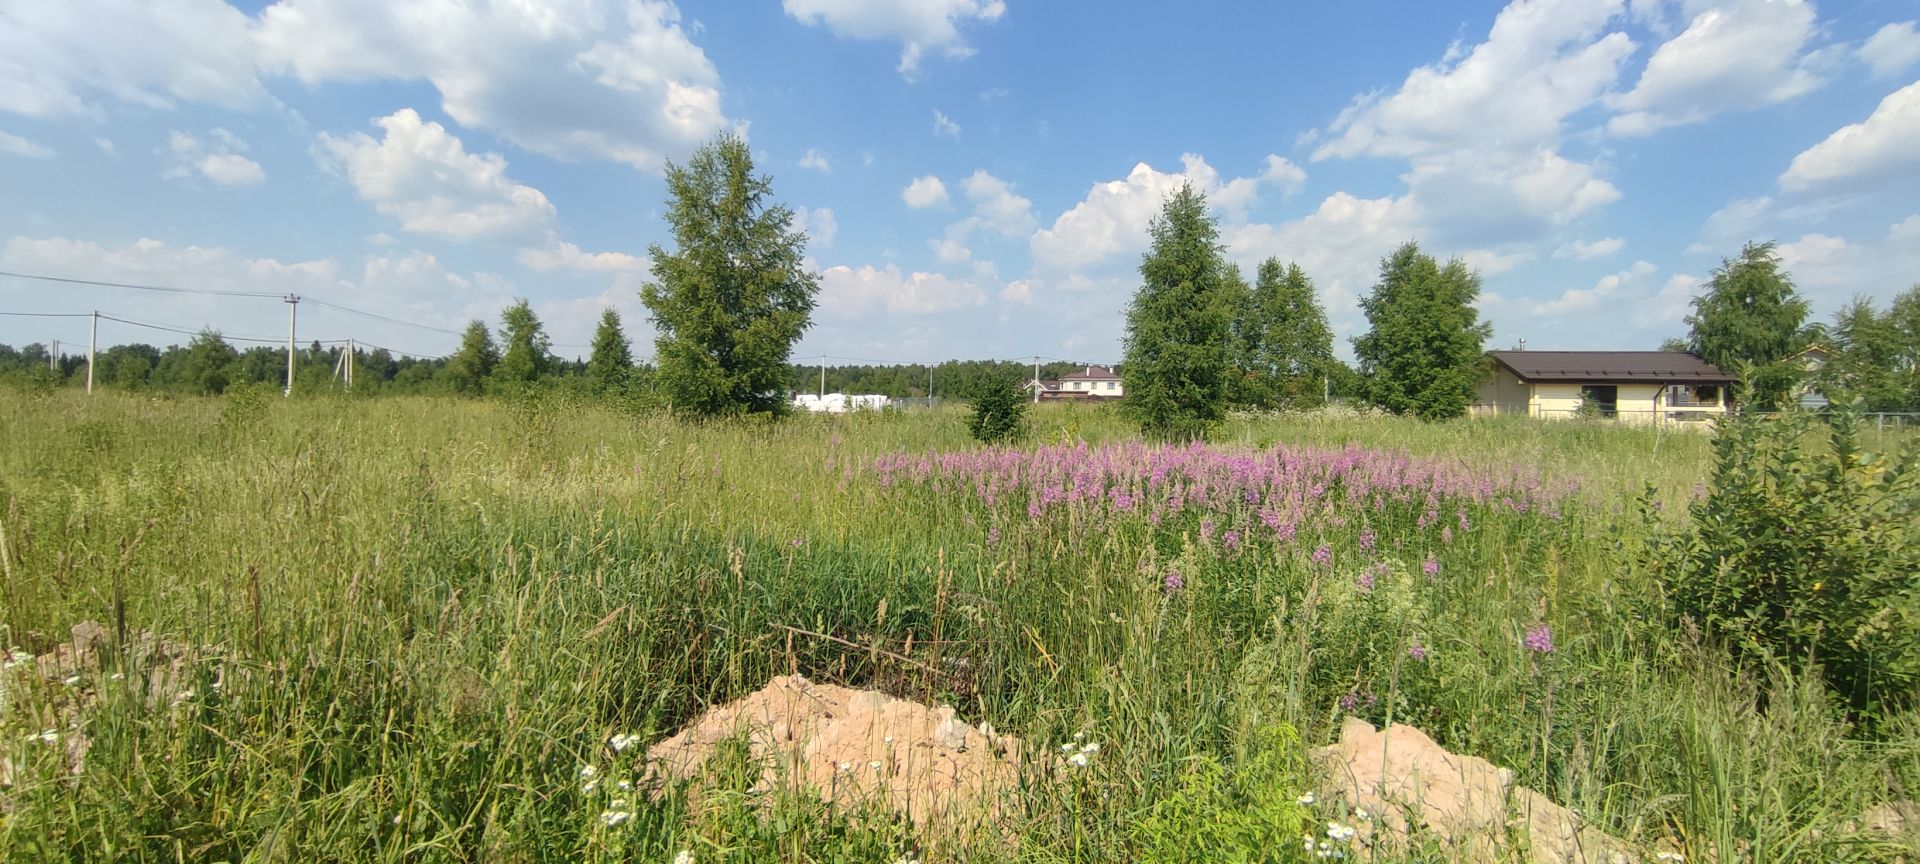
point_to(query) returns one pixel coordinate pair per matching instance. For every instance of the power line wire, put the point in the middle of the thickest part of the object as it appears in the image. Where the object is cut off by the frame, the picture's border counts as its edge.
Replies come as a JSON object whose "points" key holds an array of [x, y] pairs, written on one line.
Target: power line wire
{"points": [[378, 317], [182, 330], [48, 314], [163, 288]]}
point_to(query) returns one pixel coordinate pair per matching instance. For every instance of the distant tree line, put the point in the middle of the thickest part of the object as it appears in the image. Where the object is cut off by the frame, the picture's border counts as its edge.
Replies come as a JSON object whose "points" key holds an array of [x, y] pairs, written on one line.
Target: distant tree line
{"points": [[733, 296], [208, 366], [1750, 320]]}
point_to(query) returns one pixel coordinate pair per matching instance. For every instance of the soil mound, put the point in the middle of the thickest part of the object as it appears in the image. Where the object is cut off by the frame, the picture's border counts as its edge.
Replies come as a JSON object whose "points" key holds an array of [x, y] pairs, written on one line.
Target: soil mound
{"points": [[857, 745], [1406, 782]]}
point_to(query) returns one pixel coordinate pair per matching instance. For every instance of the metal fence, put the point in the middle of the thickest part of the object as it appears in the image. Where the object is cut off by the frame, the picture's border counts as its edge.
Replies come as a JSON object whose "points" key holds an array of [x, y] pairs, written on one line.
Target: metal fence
{"points": [[1685, 417]]}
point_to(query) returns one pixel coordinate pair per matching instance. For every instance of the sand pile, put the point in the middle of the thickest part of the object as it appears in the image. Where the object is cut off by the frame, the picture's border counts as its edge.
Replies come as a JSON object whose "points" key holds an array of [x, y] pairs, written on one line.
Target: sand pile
{"points": [[1404, 781], [851, 746]]}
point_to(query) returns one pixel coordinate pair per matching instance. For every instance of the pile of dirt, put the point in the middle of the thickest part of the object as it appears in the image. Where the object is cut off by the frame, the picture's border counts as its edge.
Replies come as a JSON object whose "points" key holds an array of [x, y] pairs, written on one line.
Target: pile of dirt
{"points": [[1404, 781], [73, 672], [852, 746]]}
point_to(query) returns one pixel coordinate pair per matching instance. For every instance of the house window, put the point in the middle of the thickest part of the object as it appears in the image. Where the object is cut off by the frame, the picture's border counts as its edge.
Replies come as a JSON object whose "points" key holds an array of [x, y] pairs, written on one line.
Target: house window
{"points": [[1109, 385], [1703, 396], [1603, 399], [1076, 385]]}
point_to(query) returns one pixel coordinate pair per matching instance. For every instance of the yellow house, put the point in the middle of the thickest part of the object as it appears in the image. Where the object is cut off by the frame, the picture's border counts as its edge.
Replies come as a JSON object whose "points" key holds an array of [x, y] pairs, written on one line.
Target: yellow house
{"points": [[1631, 386]]}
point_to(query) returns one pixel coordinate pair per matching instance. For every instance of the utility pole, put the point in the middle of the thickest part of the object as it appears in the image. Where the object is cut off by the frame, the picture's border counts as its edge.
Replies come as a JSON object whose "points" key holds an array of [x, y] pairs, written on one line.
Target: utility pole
{"points": [[53, 357], [823, 376], [93, 345], [929, 385], [1036, 379], [293, 306], [351, 351]]}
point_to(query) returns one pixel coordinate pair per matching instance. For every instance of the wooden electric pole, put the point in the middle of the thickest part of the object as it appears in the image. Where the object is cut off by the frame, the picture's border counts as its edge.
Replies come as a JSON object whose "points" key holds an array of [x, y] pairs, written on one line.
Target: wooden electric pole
{"points": [[293, 306]]}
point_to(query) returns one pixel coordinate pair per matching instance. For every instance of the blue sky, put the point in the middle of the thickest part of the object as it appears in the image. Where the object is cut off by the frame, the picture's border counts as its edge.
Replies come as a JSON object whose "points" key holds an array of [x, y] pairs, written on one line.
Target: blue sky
{"points": [[976, 175]]}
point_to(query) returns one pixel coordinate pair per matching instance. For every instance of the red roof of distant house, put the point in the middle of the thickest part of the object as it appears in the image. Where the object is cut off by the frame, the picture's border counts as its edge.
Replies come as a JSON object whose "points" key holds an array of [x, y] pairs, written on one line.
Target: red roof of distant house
{"points": [[1657, 367]]}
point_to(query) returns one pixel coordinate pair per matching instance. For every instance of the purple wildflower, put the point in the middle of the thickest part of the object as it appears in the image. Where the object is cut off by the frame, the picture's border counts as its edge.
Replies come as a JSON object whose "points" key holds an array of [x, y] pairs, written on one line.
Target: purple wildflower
{"points": [[1173, 582], [1417, 652], [1206, 530], [1231, 540], [1540, 639], [1446, 534], [993, 536], [1367, 539], [1323, 555], [799, 542], [1364, 581], [1430, 567]]}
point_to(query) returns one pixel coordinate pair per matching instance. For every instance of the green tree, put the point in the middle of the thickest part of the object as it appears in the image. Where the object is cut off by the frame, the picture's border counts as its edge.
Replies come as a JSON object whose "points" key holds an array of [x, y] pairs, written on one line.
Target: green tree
{"points": [[610, 367], [1903, 318], [528, 356], [1289, 345], [1674, 344], [208, 363], [1424, 352], [1873, 357], [467, 370], [997, 410], [1179, 325], [734, 296], [1749, 322]]}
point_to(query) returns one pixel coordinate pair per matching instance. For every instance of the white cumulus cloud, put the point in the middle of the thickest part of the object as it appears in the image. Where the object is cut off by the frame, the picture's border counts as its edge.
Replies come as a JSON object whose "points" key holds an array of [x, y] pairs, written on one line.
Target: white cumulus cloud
{"points": [[1734, 54], [1111, 221], [853, 291], [18, 146], [567, 256], [924, 192], [69, 57], [1891, 50], [818, 224], [1540, 62], [421, 175], [921, 27], [216, 157], [1588, 250], [1880, 148], [944, 125], [816, 161], [604, 79]]}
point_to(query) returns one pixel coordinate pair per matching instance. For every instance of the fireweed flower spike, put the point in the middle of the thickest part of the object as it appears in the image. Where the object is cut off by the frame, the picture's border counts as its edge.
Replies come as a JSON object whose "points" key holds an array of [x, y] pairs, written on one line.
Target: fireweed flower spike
{"points": [[1540, 639]]}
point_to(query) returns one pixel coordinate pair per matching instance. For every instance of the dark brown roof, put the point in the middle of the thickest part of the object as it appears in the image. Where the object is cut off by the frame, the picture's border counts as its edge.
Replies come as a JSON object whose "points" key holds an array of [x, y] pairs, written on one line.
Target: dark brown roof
{"points": [[1095, 373], [1654, 367]]}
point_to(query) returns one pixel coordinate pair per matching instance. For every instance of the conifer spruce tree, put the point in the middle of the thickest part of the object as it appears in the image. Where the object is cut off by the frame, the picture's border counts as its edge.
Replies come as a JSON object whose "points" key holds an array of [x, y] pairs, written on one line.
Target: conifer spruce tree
{"points": [[734, 295], [528, 356], [467, 370], [610, 366], [1179, 325], [1291, 346], [1748, 322]]}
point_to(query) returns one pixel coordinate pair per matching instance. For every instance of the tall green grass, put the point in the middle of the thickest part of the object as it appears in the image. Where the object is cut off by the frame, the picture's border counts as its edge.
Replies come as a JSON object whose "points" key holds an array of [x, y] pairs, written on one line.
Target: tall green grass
{"points": [[423, 616]]}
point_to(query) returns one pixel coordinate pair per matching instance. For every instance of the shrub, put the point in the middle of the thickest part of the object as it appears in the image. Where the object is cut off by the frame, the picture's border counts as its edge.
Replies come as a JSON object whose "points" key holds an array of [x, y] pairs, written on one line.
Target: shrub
{"points": [[1804, 551], [997, 412], [1249, 812]]}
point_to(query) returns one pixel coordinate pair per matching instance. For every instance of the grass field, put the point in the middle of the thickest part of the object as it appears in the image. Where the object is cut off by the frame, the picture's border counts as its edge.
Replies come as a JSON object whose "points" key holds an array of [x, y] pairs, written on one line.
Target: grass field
{"points": [[422, 617]]}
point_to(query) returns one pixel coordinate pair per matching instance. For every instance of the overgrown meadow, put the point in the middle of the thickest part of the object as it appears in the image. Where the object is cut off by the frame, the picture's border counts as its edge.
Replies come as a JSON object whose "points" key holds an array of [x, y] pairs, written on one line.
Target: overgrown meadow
{"points": [[410, 624]]}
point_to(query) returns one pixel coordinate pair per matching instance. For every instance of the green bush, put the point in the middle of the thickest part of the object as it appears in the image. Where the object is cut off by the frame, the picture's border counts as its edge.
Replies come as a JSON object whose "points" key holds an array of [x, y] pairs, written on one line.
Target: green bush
{"points": [[997, 412], [1805, 551], [1250, 812]]}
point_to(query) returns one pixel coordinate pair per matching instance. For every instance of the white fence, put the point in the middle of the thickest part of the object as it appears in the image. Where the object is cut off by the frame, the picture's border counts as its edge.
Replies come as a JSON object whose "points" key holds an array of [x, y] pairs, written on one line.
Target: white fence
{"points": [[1685, 417], [839, 403]]}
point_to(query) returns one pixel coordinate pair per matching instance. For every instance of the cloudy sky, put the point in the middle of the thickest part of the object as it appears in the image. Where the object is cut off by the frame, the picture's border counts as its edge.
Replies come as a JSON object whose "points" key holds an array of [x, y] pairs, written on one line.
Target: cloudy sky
{"points": [[976, 175]]}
